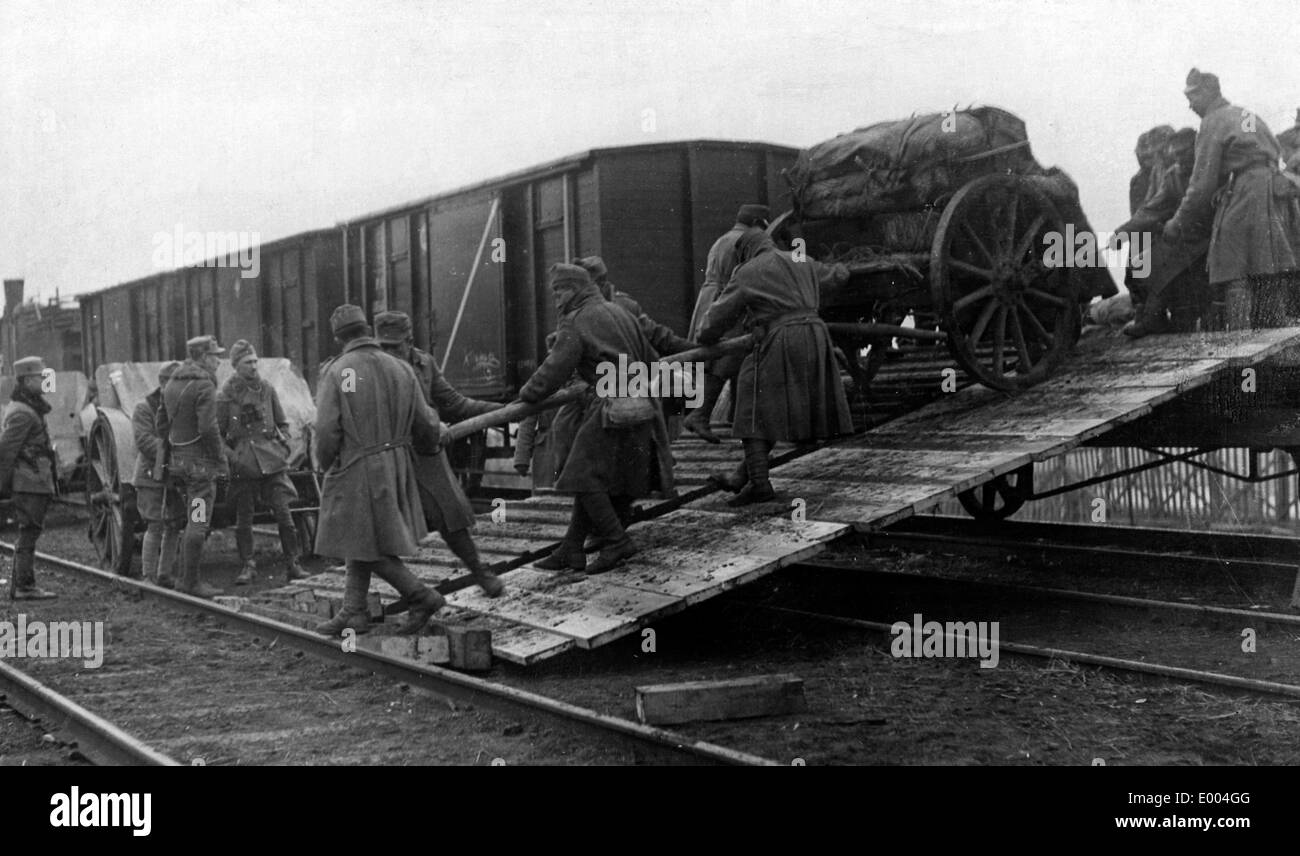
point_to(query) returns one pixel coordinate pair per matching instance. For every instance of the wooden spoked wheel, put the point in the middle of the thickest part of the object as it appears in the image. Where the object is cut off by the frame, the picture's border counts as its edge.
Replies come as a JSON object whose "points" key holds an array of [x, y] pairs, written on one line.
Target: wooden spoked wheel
{"points": [[1000, 498], [104, 496], [1010, 318]]}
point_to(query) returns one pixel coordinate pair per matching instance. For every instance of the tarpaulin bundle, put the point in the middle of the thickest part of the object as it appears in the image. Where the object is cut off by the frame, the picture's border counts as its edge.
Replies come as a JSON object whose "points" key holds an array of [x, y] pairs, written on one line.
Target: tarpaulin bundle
{"points": [[908, 164]]}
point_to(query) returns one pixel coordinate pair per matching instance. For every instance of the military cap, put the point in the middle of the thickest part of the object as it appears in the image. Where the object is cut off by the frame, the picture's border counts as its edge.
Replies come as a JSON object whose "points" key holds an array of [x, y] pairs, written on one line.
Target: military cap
{"points": [[345, 316], [569, 274], [1197, 80], [29, 366], [165, 373], [752, 215], [392, 328], [593, 265], [208, 342], [239, 350]]}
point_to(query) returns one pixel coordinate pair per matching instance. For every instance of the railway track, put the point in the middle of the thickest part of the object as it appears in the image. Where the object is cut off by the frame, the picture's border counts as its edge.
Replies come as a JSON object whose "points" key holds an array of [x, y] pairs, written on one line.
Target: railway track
{"points": [[207, 682]]}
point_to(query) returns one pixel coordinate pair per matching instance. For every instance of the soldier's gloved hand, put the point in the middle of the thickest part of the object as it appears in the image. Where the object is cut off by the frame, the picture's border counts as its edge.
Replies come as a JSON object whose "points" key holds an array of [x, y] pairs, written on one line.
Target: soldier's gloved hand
{"points": [[445, 438], [1172, 232]]}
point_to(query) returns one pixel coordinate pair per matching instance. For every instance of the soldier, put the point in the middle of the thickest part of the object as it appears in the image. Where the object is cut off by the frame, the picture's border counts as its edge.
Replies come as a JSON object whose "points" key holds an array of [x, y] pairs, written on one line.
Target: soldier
{"points": [[1253, 241], [255, 430], [188, 422], [718, 269], [446, 510], [369, 410], [789, 385], [1175, 271], [161, 506], [613, 460], [27, 472]]}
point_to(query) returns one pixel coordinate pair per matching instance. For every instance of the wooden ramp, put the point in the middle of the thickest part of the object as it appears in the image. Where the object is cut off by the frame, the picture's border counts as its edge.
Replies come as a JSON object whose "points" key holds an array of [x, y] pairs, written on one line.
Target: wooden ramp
{"points": [[904, 466]]}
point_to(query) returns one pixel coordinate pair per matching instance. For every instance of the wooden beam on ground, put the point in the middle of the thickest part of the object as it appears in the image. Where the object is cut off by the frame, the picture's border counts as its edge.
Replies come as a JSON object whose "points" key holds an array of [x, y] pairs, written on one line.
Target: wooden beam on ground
{"points": [[737, 698]]}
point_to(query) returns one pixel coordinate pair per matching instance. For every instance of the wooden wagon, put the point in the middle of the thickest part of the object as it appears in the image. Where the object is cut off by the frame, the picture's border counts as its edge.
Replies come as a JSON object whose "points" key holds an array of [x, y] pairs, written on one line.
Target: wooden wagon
{"points": [[943, 221]]}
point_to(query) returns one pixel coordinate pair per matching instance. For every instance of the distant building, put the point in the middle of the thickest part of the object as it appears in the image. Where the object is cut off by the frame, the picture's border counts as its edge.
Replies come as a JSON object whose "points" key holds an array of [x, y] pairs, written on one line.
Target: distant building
{"points": [[51, 330]]}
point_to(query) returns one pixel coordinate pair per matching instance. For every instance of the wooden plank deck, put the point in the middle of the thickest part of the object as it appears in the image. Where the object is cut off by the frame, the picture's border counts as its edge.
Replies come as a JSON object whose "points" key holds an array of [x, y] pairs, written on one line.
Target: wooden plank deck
{"points": [[900, 468]]}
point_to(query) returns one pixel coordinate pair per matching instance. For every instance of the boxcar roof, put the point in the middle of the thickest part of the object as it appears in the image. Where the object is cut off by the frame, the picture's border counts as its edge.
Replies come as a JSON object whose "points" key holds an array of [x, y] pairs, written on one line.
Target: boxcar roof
{"points": [[265, 246], [561, 164]]}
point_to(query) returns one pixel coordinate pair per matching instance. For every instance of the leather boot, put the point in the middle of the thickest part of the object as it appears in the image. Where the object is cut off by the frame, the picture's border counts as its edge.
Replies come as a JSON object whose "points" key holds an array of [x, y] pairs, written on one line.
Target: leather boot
{"points": [[423, 606], [150, 550], [247, 574], [1238, 303], [733, 481], [171, 537], [354, 614], [294, 569], [569, 555], [698, 422], [759, 488], [616, 545], [462, 544]]}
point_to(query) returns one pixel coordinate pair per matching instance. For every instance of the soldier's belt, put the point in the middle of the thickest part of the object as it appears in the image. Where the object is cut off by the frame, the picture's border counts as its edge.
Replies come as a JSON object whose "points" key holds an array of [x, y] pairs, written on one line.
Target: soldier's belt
{"points": [[375, 449]]}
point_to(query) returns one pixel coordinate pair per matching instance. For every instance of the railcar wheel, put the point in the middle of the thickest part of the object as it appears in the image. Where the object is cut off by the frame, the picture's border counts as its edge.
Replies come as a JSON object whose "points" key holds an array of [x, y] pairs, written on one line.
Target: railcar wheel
{"points": [[104, 499], [1000, 498], [1010, 318]]}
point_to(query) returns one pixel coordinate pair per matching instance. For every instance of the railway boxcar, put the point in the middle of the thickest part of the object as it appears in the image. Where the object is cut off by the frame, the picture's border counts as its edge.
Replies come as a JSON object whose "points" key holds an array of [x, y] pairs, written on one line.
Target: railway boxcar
{"points": [[469, 265], [283, 311]]}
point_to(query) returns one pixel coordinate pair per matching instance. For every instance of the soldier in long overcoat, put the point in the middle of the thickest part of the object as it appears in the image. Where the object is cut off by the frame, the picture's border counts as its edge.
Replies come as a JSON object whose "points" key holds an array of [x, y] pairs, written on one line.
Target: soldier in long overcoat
{"points": [[1254, 244], [447, 511], [718, 268], [369, 410], [789, 386], [609, 463]]}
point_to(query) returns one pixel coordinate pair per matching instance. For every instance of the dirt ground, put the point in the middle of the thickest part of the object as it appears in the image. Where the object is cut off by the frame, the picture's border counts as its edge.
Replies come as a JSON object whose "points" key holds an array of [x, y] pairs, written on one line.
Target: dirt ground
{"points": [[864, 706]]}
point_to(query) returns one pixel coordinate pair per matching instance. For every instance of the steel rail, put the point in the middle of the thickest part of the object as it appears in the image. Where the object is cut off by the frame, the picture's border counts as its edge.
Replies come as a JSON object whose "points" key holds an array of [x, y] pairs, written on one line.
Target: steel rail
{"points": [[98, 739], [1079, 657], [446, 683]]}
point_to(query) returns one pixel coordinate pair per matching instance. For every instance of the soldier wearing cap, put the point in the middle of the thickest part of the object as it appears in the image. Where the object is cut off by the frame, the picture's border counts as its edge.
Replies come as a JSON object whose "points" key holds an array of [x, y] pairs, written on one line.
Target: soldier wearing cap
{"points": [[27, 472], [618, 454], [721, 264], [160, 505], [369, 412], [187, 421], [446, 509], [1237, 185], [255, 431]]}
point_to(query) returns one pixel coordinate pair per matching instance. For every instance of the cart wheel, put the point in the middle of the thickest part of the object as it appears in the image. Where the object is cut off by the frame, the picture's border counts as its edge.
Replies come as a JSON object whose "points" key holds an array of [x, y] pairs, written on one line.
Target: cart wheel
{"points": [[1000, 498], [467, 460], [104, 497], [1010, 318]]}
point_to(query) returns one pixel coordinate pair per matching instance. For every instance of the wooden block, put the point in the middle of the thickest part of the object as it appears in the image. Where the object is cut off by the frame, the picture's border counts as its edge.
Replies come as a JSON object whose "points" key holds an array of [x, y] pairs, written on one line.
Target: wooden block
{"points": [[374, 606], [324, 607], [739, 698], [231, 602], [469, 648], [433, 649]]}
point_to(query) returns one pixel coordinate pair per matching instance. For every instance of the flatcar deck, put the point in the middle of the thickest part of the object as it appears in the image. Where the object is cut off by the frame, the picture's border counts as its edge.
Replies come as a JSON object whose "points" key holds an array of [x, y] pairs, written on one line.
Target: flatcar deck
{"points": [[893, 471]]}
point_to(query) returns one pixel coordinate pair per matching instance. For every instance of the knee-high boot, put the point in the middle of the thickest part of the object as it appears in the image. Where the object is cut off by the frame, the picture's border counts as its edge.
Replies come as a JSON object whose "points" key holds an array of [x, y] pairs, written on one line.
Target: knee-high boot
{"points": [[615, 544], [759, 488], [354, 614], [424, 601], [570, 555], [462, 544], [151, 550], [1238, 303]]}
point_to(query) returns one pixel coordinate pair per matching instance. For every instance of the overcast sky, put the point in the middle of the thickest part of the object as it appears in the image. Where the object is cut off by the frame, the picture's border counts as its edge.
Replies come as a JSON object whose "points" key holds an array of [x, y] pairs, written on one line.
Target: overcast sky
{"points": [[123, 119]]}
